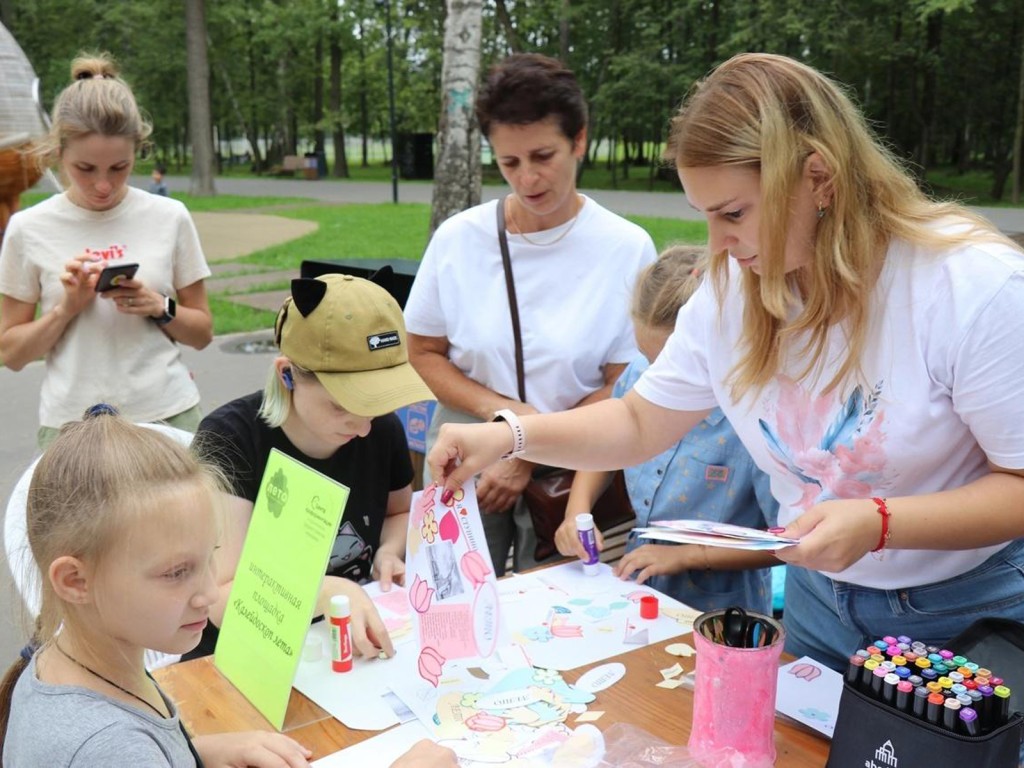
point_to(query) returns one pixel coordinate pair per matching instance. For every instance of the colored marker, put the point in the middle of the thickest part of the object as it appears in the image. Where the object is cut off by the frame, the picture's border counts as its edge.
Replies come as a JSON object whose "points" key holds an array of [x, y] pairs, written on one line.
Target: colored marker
{"points": [[587, 537], [946, 654], [966, 671], [889, 683], [933, 710], [899, 660], [965, 700], [957, 689], [888, 665], [904, 691], [969, 721], [933, 687], [982, 672], [903, 639], [869, 668], [920, 701], [987, 706], [973, 667], [880, 644], [1001, 709], [995, 682], [877, 677], [915, 680], [956, 677], [910, 656], [889, 640], [855, 670], [950, 714], [929, 674], [922, 662], [341, 634], [959, 660], [903, 672]]}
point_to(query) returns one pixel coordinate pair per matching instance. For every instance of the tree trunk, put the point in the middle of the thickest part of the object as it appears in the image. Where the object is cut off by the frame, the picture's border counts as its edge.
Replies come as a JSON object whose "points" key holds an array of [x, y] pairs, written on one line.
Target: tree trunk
{"points": [[1018, 132], [563, 33], [199, 120], [248, 127], [318, 93], [340, 169], [457, 175], [505, 22]]}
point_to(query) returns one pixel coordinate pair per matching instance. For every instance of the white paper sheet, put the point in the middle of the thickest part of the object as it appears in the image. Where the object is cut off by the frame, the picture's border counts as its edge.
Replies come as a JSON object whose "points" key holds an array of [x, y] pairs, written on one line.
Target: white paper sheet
{"points": [[809, 693]]}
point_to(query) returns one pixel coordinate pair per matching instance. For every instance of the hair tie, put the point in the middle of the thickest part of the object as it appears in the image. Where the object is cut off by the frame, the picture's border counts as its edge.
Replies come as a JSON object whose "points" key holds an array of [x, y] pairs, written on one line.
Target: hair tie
{"points": [[100, 409], [29, 650], [92, 75]]}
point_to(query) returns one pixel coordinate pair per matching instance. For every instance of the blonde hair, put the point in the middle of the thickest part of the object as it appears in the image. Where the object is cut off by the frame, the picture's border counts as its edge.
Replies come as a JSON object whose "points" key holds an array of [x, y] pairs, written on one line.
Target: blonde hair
{"points": [[97, 477], [769, 113], [97, 102], [664, 286], [277, 399]]}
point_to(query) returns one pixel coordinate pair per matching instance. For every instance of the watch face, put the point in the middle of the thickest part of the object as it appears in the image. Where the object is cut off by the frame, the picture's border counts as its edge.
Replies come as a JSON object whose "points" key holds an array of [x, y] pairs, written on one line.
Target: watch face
{"points": [[171, 307]]}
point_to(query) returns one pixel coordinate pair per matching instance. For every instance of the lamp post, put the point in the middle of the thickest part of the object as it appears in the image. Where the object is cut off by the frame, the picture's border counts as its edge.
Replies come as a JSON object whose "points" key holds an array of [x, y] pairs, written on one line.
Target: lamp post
{"points": [[391, 105]]}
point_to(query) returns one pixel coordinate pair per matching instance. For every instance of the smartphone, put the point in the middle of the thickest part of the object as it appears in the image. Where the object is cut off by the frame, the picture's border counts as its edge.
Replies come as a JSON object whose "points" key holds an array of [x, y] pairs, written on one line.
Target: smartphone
{"points": [[115, 274]]}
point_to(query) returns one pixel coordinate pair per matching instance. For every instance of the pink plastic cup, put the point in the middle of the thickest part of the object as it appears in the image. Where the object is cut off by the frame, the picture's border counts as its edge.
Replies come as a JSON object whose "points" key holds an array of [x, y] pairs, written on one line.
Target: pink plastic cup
{"points": [[734, 696]]}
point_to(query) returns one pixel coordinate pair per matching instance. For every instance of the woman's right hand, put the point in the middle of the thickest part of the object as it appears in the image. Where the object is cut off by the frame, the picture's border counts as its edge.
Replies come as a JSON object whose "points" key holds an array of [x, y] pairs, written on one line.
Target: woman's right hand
{"points": [[464, 450], [79, 281], [369, 635], [427, 754]]}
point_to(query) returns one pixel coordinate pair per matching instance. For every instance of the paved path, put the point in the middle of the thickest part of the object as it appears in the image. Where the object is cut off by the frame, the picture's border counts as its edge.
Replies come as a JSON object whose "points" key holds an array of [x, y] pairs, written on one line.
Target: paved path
{"points": [[662, 204]]}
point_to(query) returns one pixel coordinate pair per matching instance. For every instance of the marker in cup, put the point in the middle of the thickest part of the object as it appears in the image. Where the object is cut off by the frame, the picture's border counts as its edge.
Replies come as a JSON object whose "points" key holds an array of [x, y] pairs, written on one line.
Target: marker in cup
{"points": [[585, 531]]}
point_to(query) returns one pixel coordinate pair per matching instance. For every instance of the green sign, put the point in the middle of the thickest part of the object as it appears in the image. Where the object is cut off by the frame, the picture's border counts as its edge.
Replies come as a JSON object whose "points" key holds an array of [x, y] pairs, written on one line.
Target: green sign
{"points": [[294, 524]]}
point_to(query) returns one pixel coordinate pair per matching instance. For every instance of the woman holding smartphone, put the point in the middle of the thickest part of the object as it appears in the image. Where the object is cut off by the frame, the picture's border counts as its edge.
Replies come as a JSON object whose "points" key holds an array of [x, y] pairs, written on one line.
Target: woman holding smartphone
{"points": [[107, 333]]}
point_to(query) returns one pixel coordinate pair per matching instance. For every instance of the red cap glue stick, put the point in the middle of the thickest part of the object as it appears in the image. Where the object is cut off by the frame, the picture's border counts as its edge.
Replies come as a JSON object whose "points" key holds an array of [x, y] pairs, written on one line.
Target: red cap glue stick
{"points": [[341, 634]]}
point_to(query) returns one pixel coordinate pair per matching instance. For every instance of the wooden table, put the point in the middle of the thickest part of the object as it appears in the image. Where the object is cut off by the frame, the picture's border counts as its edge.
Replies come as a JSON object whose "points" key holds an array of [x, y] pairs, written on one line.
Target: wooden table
{"points": [[210, 704]]}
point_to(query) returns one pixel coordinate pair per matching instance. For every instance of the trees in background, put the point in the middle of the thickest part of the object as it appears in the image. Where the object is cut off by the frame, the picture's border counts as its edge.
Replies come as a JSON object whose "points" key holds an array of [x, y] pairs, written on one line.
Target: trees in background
{"points": [[939, 78]]}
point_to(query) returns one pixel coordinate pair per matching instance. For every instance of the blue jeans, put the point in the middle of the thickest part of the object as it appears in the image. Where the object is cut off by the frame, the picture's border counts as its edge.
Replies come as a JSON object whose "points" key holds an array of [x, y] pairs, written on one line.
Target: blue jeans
{"points": [[829, 620]]}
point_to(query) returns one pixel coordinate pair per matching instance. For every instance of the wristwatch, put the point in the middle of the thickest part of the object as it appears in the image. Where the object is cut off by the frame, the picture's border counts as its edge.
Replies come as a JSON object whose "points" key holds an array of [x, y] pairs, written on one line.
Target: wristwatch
{"points": [[170, 310], [518, 434]]}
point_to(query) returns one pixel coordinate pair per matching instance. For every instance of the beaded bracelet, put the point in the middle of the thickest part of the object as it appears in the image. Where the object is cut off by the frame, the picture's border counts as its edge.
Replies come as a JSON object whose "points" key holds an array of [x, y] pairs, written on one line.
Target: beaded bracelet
{"points": [[883, 510]]}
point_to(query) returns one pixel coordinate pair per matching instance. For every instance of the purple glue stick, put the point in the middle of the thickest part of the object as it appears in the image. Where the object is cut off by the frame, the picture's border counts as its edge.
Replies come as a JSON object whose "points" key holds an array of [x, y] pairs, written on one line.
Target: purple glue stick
{"points": [[585, 530]]}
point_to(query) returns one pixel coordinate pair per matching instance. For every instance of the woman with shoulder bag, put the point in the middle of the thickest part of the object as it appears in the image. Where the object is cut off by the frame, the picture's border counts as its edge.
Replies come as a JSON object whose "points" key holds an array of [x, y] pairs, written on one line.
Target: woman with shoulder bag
{"points": [[570, 271]]}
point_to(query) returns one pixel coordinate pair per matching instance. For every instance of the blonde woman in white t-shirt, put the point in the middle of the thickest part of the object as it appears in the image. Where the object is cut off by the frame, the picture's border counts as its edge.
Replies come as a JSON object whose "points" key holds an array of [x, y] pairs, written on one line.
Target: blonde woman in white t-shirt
{"points": [[118, 345], [867, 345], [573, 265]]}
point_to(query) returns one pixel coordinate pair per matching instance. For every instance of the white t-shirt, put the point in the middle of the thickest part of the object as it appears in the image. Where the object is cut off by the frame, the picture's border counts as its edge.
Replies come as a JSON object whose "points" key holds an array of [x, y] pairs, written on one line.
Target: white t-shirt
{"points": [[104, 355], [573, 299], [942, 372]]}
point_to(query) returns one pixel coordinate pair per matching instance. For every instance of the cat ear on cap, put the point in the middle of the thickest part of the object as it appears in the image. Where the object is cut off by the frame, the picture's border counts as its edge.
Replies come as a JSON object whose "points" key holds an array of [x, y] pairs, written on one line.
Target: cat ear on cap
{"points": [[307, 293]]}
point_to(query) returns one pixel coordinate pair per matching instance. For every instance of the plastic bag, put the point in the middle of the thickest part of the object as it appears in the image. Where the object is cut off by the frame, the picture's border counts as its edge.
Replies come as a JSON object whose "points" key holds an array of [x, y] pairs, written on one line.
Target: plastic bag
{"points": [[627, 746]]}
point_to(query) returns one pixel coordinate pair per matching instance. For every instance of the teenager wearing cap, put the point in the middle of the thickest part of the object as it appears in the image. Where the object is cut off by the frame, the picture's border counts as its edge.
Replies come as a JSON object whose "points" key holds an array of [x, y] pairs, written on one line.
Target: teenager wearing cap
{"points": [[328, 402]]}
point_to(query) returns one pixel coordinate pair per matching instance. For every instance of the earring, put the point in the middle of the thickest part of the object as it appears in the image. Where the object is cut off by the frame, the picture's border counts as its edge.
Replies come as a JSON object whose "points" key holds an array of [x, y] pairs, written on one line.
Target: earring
{"points": [[286, 377], [821, 210]]}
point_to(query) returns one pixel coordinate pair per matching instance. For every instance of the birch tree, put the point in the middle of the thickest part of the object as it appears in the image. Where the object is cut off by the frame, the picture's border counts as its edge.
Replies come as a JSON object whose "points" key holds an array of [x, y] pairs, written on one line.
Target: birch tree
{"points": [[457, 172], [199, 119]]}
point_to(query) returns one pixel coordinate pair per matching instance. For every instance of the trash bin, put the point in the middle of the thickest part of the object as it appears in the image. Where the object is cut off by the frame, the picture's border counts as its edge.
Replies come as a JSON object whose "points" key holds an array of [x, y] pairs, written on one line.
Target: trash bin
{"points": [[416, 155], [310, 166]]}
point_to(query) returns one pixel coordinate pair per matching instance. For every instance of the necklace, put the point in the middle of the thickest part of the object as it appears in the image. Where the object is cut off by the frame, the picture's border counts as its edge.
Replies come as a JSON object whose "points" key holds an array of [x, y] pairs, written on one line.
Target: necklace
{"points": [[106, 680], [566, 231]]}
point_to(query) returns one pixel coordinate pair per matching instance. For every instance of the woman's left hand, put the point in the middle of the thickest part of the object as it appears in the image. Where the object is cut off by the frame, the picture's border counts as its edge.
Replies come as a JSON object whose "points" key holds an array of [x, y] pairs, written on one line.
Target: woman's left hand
{"points": [[255, 749], [833, 535], [132, 297], [501, 484]]}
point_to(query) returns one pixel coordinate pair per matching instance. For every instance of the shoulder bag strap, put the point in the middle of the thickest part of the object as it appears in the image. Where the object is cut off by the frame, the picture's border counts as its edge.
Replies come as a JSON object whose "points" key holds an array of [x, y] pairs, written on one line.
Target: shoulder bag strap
{"points": [[513, 306]]}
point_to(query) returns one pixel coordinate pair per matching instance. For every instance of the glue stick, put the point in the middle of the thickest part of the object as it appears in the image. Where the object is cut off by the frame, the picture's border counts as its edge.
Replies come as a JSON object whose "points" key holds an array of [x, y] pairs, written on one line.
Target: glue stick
{"points": [[341, 634], [585, 530]]}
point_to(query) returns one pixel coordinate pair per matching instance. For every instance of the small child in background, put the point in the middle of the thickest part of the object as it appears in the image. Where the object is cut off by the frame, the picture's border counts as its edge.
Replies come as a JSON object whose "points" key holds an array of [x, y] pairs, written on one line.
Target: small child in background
{"points": [[708, 475], [122, 524], [158, 186]]}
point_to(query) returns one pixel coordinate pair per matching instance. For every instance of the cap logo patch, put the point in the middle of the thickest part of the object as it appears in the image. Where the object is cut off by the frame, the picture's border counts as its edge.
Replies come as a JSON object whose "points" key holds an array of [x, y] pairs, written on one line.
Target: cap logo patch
{"points": [[383, 340]]}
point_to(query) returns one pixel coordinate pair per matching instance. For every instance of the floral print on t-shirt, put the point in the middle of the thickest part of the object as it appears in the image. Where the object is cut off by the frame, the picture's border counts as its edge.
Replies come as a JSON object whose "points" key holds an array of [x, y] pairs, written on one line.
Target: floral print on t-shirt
{"points": [[835, 449]]}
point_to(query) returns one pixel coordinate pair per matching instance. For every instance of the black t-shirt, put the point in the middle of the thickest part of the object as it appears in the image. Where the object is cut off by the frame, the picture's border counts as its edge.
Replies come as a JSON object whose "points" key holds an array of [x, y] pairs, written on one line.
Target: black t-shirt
{"points": [[238, 441]]}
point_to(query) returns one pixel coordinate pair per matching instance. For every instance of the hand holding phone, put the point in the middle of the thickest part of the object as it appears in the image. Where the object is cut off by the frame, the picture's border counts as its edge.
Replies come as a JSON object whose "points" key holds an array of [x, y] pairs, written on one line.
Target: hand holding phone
{"points": [[115, 274]]}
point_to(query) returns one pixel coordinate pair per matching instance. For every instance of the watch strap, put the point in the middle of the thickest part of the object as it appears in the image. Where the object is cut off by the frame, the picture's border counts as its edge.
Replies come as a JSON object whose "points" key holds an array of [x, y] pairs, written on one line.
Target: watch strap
{"points": [[518, 433]]}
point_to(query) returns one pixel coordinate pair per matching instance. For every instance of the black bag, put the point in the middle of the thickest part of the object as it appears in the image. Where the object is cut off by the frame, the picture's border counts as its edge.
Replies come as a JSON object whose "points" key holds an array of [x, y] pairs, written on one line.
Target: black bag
{"points": [[547, 496], [871, 733], [874, 734]]}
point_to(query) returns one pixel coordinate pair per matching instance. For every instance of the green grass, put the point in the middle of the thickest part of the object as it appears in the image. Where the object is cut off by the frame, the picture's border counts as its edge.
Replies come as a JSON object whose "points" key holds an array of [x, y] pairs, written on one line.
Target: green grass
{"points": [[218, 203], [229, 317], [357, 231]]}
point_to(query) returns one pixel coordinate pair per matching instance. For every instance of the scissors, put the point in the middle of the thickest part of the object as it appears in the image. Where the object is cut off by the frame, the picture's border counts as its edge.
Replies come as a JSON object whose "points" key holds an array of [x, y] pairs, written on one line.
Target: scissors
{"points": [[743, 631]]}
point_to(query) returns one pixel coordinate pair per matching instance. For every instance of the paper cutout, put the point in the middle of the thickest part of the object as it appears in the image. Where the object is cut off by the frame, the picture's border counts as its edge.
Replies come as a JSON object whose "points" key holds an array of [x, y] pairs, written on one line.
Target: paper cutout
{"points": [[681, 649], [590, 716], [291, 533], [452, 584], [600, 678], [674, 671], [714, 534], [669, 683]]}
